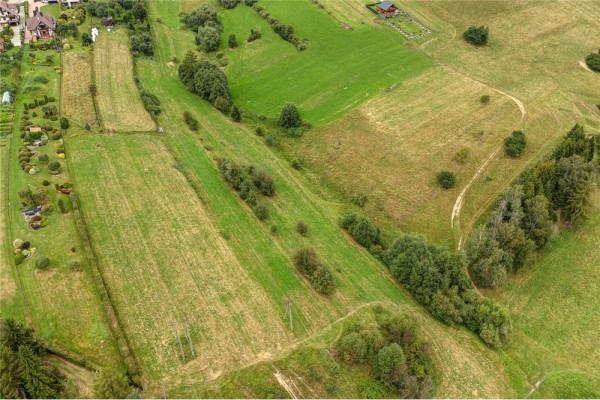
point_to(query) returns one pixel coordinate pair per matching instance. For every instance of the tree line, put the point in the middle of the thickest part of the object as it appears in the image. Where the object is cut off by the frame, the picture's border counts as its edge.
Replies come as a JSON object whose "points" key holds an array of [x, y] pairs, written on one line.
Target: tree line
{"points": [[558, 188], [286, 32]]}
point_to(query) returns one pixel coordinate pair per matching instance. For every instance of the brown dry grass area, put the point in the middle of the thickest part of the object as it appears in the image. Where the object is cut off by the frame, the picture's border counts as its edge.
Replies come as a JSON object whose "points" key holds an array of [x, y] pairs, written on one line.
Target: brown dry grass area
{"points": [[164, 260], [77, 77], [118, 98], [392, 147]]}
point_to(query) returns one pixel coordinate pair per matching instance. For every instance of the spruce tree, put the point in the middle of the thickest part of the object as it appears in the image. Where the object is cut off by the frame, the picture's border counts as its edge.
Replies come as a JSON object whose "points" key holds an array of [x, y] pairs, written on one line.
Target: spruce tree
{"points": [[11, 386], [37, 379], [289, 117], [235, 114], [187, 67]]}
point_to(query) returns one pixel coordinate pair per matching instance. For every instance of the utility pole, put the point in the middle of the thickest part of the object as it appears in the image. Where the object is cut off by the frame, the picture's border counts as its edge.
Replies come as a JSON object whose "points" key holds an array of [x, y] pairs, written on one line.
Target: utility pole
{"points": [[288, 309], [189, 339], [179, 340]]}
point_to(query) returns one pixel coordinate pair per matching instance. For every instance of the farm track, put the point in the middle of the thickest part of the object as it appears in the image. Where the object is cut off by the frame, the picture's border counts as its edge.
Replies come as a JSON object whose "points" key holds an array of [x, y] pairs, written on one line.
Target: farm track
{"points": [[455, 217]]}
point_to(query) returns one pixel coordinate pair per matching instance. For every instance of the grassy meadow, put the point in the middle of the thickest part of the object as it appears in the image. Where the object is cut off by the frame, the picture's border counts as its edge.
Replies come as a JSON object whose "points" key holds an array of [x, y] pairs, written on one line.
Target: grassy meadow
{"points": [[77, 102], [340, 69], [119, 103]]}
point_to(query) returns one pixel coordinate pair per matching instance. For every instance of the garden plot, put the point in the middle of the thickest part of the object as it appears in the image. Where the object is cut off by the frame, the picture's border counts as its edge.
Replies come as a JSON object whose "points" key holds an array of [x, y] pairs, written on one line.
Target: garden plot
{"points": [[76, 98], [119, 102]]}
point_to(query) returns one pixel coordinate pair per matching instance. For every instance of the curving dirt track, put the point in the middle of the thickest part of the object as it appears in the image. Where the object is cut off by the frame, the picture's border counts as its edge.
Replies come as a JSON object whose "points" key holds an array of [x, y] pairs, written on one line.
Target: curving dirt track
{"points": [[458, 204]]}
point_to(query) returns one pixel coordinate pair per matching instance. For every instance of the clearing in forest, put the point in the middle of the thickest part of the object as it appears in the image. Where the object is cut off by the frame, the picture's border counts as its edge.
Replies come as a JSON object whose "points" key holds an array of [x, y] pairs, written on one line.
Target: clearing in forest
{"points": [[119, 101]]}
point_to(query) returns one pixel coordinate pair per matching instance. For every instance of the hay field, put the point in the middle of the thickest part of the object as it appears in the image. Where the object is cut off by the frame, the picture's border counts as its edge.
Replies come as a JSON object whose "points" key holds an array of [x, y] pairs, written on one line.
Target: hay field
{"points": [[76, 98], [164, 260], [340, 69], [119, 102], [391, 148]]}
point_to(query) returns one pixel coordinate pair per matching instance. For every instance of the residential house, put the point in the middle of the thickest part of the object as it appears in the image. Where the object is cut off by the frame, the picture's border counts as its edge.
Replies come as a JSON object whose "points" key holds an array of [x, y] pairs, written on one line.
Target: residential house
{"points": [[41, 26], [9, 14], [386, 9]]}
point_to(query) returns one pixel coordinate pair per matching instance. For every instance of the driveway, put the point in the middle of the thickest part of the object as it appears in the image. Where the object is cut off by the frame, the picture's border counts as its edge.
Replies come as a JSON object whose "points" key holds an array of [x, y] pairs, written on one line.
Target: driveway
{"points": [[16, 39], [17, 32]]}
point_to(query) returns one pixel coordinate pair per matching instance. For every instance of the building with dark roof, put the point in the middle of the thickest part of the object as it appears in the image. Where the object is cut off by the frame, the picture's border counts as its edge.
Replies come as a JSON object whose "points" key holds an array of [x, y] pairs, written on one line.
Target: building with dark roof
{"points": [[41, 26], [9, 14], [386, 9]]}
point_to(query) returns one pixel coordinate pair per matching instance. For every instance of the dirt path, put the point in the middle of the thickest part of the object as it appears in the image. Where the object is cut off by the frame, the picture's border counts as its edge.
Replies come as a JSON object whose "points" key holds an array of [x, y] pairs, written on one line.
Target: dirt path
{"points": [[458, 204], [584, 65], [287, 385]]}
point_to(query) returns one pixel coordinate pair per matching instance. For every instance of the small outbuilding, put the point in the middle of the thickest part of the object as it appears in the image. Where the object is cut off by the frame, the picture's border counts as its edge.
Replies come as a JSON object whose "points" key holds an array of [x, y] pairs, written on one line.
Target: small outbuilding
{"points": [[34, 129], [386, 9], [6, 99]]}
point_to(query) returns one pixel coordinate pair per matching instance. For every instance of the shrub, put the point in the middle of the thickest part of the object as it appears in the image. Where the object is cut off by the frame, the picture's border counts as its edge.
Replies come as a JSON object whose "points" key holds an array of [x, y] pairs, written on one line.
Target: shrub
{"points": [[229, 3], [515, 144], [253, 35], [208, 38], [64, 123], [17, 243], [74, 265], [232, 41], [295, 163], [462, 155], [593, 61], [389, 359], [19, 258], [446, 179], [302, 228], [61, 205], [263, 182], [270, 140], [259, 131], [352, 348], [273, 229], [261, 210], [54, 166], [295, 132], [289, 117], [25, 245], [190, 121], [365, 233], [236, 115], [56, 136], [484, 99], [322, 280], [306, 261], [477, 35], [369, 388], [43, 158], [42, 262]]}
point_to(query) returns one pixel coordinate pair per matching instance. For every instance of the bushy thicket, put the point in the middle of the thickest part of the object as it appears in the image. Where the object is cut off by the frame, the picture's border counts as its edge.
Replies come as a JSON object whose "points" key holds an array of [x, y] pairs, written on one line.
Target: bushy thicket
{"points": [[205, 79], [320, 276], [523, 215], [398, 354], [248, 182], [229, 3], [477, 35], [23, 374], [203, 20], [190, 120], [286, 32], [151, 102], [140, 38]]}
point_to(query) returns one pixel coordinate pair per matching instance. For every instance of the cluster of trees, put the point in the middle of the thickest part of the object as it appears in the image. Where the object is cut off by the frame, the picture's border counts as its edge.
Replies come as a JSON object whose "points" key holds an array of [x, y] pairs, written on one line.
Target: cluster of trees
{"points": [[286, 32], [593, 61], [523, 216], [363, 231], [248, 182], [320, 275], [437, 278], [204, 21], [23, 374], [253, 35], [66, 28], [515, 144], [229, 3], [477, 35], [205, 79], [398, 354]]}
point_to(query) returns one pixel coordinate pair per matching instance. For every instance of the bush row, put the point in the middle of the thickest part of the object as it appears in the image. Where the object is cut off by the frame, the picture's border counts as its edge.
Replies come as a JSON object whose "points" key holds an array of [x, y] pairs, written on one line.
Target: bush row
{"points": [[286, 32]]}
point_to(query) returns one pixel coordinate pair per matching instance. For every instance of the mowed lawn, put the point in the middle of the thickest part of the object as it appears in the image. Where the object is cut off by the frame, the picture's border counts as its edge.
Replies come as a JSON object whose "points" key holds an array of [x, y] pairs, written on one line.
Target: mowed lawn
{"points": [[555, 305], [119, 102], [77, 102], [340, 69]]}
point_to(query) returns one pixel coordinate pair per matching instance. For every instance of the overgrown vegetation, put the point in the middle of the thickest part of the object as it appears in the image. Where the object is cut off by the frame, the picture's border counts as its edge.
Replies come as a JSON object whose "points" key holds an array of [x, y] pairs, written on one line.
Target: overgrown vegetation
{"points": [[248, 182], [593, 61], [515, 144], [398, 355], [558, 187], [319, 275]]}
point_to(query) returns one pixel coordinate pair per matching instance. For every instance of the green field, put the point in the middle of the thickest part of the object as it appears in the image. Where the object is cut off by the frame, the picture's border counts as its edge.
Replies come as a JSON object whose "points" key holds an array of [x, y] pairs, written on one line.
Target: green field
{"points": [[340, 69]]}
